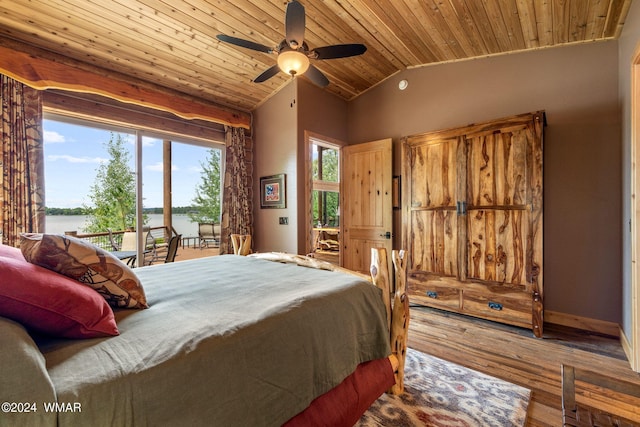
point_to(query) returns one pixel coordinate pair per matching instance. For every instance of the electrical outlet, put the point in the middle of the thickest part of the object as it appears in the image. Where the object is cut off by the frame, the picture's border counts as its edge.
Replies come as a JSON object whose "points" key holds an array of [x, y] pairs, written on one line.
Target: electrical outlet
{"points": [[283, 220]]}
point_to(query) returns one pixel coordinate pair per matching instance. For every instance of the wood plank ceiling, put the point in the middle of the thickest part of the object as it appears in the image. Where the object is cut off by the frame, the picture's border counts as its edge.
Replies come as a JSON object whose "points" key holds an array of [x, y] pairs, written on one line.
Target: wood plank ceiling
{"points": [[172, 43]]}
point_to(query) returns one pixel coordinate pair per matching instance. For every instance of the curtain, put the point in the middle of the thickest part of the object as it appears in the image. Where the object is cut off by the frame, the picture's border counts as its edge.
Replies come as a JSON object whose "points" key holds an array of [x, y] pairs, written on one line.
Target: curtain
{"points": [[22, 164], [237, 206]]}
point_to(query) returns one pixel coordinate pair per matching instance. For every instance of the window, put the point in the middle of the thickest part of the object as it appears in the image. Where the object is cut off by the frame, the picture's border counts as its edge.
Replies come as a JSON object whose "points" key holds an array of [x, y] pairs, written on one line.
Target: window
{"points": [[75, 149], [325, 194]]}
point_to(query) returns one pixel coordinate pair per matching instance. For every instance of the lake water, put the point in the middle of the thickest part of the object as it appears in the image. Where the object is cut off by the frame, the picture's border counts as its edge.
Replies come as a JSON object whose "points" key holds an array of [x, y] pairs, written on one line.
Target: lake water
{"points": [[58, 224]]}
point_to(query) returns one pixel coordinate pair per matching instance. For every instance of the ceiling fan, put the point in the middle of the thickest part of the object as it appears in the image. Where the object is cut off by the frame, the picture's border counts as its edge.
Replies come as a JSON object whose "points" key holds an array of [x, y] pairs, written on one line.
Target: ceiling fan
{"points": [[293, 54]]}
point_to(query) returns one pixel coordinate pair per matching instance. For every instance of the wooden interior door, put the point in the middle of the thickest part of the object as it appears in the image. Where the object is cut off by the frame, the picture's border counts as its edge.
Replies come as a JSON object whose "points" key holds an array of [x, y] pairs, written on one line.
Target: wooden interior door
{"points": [[365, 201]]}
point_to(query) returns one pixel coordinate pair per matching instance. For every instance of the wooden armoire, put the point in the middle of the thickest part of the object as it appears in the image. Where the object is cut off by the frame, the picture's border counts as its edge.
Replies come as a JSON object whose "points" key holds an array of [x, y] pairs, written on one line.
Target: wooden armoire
{"points": [[472, 219]]}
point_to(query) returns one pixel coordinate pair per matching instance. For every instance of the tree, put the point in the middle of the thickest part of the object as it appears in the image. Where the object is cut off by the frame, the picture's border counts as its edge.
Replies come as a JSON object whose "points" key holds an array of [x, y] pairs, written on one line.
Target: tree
{"points": [[113, 193], [325, 203], [329, 166], [207, 199]]}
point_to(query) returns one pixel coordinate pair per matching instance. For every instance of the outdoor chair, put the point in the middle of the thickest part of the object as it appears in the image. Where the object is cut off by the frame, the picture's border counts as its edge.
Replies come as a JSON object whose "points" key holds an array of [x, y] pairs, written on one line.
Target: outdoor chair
{"points": [[207, 234], [327, 240], [129, 241], [112, 240], [128, 244], [172, 248], [154, 251]]}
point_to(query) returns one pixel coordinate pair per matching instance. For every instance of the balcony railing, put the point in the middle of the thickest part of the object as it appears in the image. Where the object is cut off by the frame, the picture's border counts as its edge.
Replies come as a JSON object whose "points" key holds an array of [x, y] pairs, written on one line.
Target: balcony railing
{"points": [[112, 240]]}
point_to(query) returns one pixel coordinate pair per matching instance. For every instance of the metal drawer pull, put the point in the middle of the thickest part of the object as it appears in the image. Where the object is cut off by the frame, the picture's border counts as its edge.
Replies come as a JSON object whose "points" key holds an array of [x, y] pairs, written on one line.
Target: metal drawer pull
{"points": [[494, 305], [432, 294]]}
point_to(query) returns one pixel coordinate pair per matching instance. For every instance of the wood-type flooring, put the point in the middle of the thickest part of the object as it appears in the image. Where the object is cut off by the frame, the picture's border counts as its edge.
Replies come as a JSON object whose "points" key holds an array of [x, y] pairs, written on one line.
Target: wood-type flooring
{"points": [[515, 355]]}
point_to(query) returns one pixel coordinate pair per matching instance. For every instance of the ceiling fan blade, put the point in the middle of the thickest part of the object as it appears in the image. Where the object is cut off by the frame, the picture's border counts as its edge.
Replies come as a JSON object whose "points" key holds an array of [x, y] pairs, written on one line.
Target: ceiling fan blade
{"points": [[316, 76], [294, 22], [267, 74], [244, 43], [338, 51]]}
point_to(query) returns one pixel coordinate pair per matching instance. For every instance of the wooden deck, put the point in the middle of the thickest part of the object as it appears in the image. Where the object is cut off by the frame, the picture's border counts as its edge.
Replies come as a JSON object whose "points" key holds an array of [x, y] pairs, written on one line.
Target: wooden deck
{"points": [[190, 252], [515, 355]]}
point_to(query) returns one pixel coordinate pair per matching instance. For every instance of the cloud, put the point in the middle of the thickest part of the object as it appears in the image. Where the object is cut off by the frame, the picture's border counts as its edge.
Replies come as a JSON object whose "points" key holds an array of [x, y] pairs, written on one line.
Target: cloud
{"points": [[158, 167], [72, 159], [53, 137], [130, 138], [149, 142]]}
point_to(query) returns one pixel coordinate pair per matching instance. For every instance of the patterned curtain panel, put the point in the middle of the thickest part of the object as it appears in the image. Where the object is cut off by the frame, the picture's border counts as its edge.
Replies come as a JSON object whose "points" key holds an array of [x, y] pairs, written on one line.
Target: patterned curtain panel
{"points": [[22, 181], [237, 206]]}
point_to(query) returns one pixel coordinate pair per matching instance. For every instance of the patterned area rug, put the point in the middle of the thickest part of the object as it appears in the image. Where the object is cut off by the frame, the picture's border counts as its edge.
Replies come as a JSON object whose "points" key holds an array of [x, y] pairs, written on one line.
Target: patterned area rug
{"points": [[440, 393]]}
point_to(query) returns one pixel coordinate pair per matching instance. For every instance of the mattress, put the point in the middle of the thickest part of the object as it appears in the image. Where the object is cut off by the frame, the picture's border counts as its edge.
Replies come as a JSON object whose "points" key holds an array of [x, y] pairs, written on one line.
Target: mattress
{"points": [[227, 340]]}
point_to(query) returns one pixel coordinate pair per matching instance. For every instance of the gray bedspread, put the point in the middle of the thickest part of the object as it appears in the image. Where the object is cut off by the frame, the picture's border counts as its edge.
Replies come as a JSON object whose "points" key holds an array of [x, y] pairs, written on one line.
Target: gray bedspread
{"points": [[227, 341]]}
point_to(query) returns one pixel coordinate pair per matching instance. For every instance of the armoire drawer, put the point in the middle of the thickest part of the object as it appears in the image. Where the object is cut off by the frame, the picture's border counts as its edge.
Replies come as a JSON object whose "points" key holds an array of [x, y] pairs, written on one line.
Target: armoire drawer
{"points": [[515, 310], [445, 297]]}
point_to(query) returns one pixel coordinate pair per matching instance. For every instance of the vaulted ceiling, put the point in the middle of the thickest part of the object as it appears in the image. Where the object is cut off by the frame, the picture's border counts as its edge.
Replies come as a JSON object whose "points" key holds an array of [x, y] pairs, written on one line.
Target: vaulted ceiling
{"points": [[172, 43]]}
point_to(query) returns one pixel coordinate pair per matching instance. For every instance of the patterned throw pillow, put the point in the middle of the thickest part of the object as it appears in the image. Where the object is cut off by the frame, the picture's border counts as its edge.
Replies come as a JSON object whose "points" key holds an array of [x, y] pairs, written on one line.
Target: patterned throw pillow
{"points": [[86, 263]]}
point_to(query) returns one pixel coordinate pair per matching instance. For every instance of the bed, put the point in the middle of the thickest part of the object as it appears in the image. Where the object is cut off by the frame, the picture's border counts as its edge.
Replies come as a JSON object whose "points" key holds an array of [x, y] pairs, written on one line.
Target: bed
{"points": [[227, 340]]}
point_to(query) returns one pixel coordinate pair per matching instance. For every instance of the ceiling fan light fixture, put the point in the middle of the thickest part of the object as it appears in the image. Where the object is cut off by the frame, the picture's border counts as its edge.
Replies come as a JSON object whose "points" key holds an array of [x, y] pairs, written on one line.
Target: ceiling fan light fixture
{"points": [[293, 62], [293, 52]]}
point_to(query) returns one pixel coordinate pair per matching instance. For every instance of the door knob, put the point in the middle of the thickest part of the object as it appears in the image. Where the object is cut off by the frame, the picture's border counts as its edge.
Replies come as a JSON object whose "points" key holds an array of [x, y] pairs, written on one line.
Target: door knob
{"points": [[386, 235]]}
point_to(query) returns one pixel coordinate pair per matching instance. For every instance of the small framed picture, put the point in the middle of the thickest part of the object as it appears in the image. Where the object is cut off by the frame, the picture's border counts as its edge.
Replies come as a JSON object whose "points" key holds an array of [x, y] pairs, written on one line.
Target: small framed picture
{"points": [[273, 191]]}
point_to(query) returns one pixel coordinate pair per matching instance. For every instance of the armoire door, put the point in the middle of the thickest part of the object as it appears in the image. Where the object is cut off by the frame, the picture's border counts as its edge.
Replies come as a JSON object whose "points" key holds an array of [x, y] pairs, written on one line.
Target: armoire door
{"points": [[473, 219], [435, 228]]}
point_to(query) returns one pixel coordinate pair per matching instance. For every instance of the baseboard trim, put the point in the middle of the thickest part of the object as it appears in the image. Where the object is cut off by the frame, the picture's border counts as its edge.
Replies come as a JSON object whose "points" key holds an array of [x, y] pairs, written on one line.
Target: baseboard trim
{"points": [[586, 323]]}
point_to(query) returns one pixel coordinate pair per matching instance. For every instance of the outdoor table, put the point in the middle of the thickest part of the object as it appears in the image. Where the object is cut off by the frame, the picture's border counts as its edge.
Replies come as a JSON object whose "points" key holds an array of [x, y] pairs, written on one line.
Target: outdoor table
{"points": [[130, 256], [189, 240]]}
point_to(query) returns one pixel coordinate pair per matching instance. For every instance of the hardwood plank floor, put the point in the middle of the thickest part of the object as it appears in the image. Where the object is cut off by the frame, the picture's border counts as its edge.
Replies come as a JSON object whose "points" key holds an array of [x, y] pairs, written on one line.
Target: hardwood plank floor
{"points": [[515, 355]]}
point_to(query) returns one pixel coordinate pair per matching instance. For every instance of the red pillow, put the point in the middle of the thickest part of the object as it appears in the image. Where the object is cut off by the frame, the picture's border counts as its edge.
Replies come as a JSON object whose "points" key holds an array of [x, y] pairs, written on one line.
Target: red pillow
{"points": [[11, 252], [51, 303]]}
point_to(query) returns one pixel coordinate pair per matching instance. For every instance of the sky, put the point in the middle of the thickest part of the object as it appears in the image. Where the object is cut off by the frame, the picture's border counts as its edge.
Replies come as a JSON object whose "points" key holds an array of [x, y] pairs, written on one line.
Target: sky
{"points": [[73, 154]]}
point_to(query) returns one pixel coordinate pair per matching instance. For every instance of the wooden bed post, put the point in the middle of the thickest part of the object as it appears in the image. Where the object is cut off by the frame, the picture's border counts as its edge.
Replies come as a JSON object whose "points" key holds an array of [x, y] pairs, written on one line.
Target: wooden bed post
{"points": [[398, 313], [400, 318], [380, 276], [241, 244]]}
